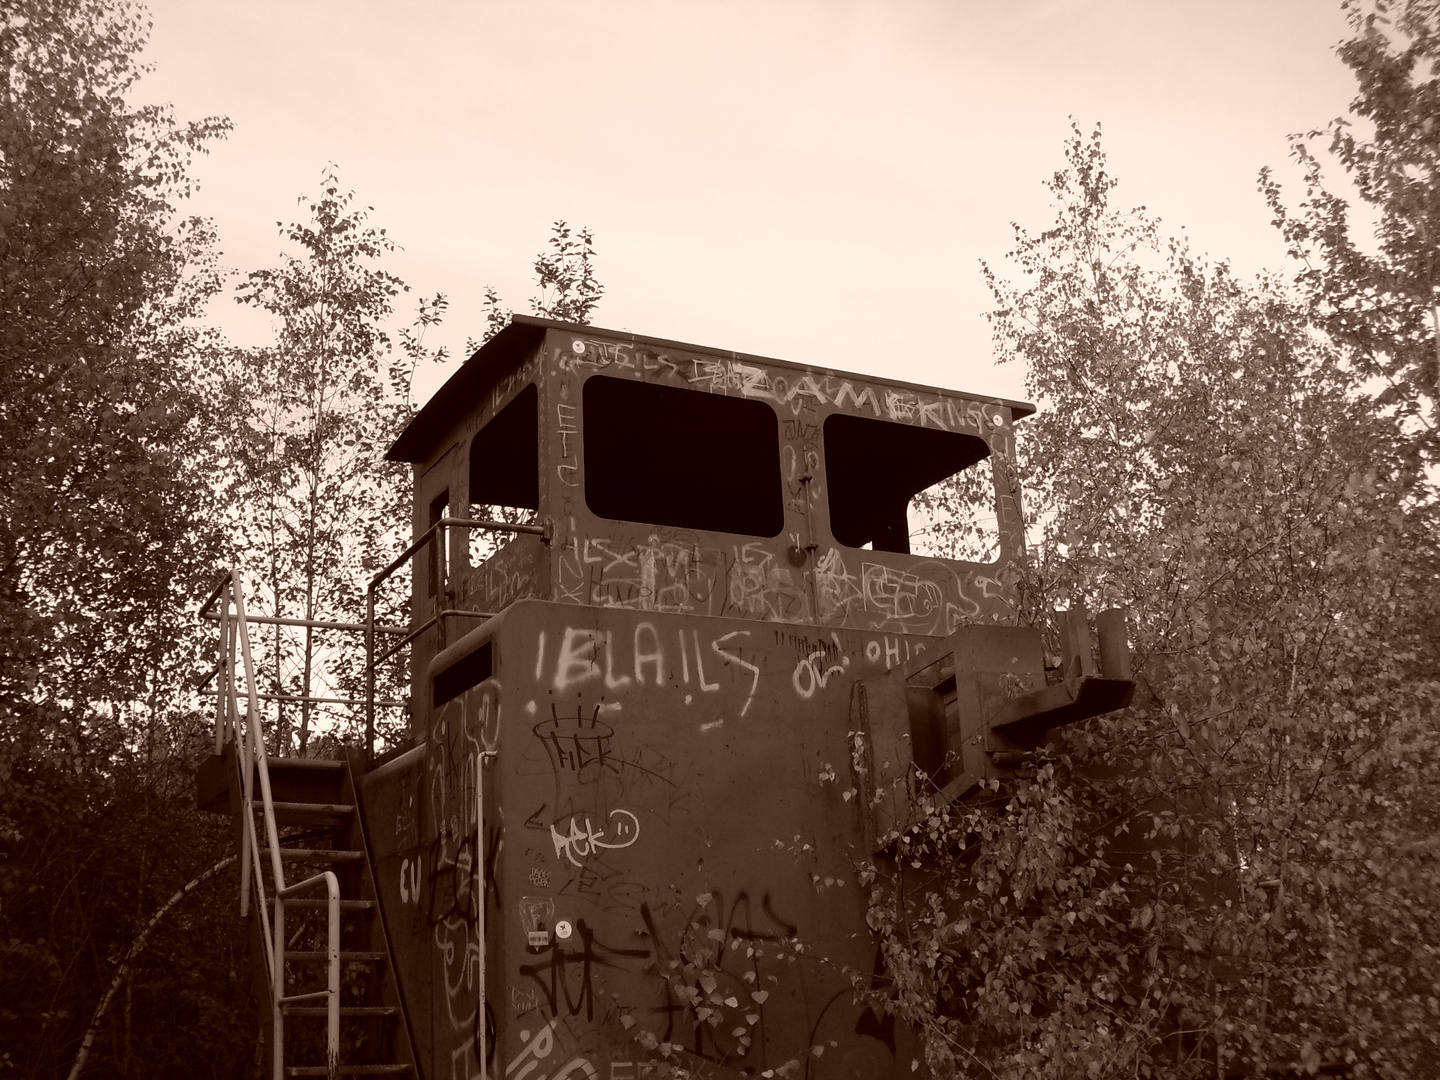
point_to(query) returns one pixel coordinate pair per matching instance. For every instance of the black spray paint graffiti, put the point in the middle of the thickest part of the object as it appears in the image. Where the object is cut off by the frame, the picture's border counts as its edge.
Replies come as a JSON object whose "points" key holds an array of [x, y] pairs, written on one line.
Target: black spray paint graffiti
{"points": [[581, 956], [449, 888], [861, 1043], [582, 749], [453, 872], [565, 979], [580, 744], [720, 958], [739, 922]]}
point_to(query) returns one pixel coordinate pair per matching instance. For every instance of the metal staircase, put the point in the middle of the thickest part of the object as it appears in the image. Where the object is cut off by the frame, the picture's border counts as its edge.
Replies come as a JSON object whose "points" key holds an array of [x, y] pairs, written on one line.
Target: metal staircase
{"points": [[330, 1006]]}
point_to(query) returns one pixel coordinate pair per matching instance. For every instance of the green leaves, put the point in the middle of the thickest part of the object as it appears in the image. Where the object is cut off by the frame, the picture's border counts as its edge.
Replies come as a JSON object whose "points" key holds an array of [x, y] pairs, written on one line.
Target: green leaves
{"points": [[1379, 295], [1211, 876], [107, 530], [314, 501], [569, 289]]}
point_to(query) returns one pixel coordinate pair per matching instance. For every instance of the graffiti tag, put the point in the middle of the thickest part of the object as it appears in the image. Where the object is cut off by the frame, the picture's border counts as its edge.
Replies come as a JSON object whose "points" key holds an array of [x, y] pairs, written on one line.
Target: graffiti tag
{"points": [[579, 843]]}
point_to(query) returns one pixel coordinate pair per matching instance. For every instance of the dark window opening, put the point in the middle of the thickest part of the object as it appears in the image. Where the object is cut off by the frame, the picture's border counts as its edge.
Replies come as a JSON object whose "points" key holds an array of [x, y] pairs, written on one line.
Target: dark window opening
{"points": [[955, 518], [470, 670], [912, 490], [439, 508], [663, 455], [505, 473]]}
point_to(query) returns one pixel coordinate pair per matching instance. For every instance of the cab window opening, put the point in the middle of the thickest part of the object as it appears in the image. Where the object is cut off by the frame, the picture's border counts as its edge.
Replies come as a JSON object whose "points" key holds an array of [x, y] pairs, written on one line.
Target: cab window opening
{"points": [[439, 571], [505, 473], [911, 490], [664, 455]]}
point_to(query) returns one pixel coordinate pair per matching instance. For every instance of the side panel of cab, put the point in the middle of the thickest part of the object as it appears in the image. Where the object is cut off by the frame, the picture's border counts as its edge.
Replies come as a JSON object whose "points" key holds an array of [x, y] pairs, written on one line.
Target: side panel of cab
{"points": [[667, 844]]}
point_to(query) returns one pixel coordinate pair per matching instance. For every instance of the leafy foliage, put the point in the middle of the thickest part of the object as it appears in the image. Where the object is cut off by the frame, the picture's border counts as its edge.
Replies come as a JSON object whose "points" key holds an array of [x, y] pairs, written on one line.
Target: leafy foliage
{"points": [[1380, 299], [565, 272], [135, 448], [316, 504], [1235, 872], [317, 507], [99, 444], [106, 535]]}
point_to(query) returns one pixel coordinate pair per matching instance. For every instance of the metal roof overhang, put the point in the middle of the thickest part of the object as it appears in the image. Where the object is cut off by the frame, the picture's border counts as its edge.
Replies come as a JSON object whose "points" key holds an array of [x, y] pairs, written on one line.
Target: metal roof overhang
{"points": [[457, 397]]}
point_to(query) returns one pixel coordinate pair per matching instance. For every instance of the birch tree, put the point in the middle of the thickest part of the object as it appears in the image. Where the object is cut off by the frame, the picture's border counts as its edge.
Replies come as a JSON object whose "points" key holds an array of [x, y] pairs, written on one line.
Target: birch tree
{"points": [[321, 507], [1379, 293], [1238, 873], [107, 534]]}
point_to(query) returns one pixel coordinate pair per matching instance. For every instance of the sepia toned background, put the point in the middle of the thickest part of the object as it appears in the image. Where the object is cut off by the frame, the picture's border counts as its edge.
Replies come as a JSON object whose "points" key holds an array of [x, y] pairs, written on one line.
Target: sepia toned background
{"points": [[816, 181]]}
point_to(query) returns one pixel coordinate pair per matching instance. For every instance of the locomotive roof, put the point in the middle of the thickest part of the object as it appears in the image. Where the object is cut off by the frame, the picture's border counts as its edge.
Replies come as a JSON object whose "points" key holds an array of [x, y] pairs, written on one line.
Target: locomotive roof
{"points": [[460, 392]]}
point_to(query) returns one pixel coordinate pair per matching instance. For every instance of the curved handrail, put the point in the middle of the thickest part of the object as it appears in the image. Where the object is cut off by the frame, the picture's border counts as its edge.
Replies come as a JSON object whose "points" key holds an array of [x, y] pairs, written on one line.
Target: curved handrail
{"points": [[331, 993]]}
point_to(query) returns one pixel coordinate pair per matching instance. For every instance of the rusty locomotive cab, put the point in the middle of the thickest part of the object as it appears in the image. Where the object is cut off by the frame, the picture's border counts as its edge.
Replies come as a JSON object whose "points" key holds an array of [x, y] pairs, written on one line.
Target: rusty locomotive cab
{"points": [[689, 632]]}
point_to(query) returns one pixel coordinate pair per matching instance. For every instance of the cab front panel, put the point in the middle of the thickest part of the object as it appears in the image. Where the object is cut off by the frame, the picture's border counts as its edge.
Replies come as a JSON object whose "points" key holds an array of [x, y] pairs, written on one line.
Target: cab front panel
{"points": [[672, 831]]}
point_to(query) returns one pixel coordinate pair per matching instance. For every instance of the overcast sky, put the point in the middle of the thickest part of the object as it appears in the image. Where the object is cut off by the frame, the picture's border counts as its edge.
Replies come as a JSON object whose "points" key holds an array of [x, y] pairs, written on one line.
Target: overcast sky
{"points": [[815, 181]]}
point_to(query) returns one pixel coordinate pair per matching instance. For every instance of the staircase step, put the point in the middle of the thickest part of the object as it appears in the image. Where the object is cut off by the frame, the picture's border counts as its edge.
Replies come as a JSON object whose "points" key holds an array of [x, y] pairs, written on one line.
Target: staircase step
{"points": [[350, 1070], [345, 1010], [345, 957], [340, 809], [309, 813], [316, 764], [322, 903], [296, 854]]}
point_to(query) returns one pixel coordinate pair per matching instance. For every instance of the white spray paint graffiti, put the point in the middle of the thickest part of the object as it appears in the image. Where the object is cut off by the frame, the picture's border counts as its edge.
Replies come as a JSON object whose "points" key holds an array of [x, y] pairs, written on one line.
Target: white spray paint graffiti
{"points": [[534, 1056], [586, 656], [579, 843], [679, 577], [813, 673]]}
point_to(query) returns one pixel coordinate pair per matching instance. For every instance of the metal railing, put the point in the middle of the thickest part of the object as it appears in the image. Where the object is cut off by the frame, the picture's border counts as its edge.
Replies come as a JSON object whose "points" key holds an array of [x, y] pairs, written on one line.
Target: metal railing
{"points": [[372, 662], [248, 737], [480, 1028], [208, 612]]}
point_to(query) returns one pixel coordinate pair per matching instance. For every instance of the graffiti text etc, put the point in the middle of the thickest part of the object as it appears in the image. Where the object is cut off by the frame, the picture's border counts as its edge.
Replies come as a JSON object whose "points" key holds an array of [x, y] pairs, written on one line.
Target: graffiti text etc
{"points": [[580, 842]]}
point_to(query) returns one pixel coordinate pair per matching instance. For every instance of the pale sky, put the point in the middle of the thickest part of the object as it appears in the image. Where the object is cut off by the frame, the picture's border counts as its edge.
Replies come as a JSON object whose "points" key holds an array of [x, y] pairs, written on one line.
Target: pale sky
{"points": [[814, 181]]}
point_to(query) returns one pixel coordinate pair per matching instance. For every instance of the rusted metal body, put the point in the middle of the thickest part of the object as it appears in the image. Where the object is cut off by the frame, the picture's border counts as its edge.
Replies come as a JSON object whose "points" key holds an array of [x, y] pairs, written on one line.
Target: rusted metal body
{"points": [[629, 824], [681, 718], [545, 414]]}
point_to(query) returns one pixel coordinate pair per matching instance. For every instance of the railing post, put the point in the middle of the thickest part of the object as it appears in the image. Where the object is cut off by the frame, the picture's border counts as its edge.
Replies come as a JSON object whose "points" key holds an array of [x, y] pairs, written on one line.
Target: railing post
{"points": [[250, 756], [222, 713], [277, 991], [235, 735], [255, 756], [370, 675], [480, 1033], [332, 1016], [543, 530]]}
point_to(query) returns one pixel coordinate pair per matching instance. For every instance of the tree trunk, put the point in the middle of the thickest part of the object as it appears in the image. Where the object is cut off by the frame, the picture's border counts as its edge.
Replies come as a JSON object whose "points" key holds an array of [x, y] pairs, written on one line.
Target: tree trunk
{"points": [[123, 972]]}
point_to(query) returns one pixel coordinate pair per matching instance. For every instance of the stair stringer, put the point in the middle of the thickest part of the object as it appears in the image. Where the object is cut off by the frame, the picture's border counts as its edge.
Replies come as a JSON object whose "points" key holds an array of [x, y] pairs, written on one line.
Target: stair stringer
{"points": [[393, 984], [392, 1052]]}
